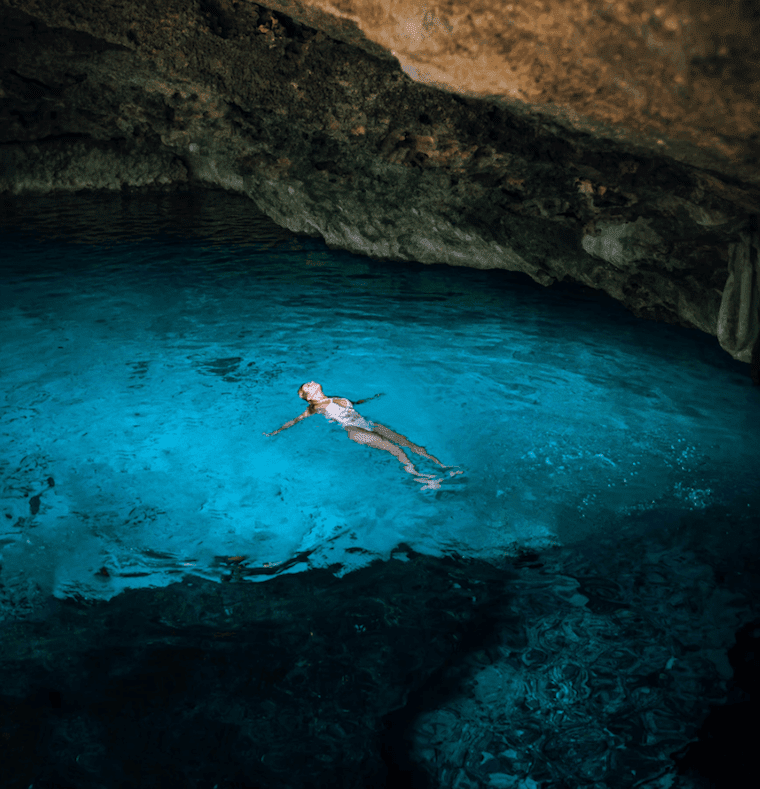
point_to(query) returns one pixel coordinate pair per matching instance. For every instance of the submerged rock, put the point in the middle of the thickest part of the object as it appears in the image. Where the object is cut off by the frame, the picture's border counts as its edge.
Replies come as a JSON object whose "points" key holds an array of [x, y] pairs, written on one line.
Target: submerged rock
{"points": [[613, 146], [597, 663], [201, 684]]}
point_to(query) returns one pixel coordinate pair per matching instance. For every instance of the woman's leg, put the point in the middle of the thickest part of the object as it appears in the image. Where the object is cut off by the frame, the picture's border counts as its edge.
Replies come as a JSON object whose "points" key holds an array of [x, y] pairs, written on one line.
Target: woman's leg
{"points": [[370, 439], [392, 435]]}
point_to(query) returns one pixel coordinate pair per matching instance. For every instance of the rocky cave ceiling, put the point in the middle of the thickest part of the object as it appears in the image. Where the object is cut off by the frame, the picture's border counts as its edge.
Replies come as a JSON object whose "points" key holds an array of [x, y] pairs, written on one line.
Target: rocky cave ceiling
{"points": [[615, 144]]}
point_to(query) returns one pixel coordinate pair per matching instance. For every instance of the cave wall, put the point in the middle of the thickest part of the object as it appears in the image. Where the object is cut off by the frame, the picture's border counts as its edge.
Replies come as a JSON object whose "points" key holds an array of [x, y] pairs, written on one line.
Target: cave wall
{"points": [[310, 109]]}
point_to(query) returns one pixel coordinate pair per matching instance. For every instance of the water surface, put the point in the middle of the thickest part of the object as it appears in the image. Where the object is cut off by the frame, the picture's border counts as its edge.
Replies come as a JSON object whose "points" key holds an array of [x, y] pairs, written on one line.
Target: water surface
{"points": [[148, 342]]}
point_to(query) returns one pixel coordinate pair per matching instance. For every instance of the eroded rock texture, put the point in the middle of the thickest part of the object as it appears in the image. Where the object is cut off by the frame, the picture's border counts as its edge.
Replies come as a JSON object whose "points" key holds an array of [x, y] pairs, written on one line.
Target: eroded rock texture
{"points": [[612, 144]]}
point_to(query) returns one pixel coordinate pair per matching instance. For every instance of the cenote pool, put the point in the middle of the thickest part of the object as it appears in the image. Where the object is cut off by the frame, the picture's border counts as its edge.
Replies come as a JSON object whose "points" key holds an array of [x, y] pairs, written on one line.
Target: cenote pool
{"points": [[149, 343], [141, 368]]}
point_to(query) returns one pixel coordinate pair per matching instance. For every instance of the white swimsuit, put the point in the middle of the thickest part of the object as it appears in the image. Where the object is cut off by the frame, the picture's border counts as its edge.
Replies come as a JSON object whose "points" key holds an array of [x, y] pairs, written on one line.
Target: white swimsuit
{"points": [[346, 416]]}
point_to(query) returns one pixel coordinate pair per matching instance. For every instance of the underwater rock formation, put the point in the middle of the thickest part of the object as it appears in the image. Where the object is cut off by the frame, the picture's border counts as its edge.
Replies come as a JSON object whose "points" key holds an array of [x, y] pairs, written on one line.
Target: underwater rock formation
{"points": [[201, 684], [616, 146]]}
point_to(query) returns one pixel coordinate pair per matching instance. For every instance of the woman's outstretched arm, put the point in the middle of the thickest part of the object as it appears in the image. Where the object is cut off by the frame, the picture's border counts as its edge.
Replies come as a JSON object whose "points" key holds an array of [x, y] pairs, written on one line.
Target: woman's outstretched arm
{"points": [[367, 399], [290, 423]]}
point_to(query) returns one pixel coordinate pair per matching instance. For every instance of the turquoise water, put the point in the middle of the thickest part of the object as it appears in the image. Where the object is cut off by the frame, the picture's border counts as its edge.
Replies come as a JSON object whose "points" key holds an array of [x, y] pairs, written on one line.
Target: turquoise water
{"points": [[148, 343]]}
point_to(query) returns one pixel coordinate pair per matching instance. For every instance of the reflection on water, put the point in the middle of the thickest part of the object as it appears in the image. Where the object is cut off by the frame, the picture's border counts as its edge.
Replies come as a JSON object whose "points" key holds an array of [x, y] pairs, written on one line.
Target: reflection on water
{"points": [[213, 217]]}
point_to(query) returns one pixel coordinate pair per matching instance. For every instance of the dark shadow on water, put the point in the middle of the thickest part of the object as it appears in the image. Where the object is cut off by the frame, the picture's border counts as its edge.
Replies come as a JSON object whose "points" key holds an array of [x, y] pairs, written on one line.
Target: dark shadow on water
{"points": [[724, 755], [89, 217], [483, 634]]}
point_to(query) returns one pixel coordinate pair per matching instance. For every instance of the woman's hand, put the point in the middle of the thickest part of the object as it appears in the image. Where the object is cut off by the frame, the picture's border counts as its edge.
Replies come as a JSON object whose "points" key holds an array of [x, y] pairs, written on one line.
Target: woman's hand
{"points": [[271, 434]]}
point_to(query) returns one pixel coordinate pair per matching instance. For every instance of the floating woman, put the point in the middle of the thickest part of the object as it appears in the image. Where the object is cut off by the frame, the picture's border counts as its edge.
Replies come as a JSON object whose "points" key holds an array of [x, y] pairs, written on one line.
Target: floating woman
{"points": [[372, 434]]}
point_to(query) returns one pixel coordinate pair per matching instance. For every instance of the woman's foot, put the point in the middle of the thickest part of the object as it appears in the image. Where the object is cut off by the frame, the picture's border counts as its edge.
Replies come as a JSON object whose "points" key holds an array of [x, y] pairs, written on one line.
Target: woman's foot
{"points": [[430, 481]]}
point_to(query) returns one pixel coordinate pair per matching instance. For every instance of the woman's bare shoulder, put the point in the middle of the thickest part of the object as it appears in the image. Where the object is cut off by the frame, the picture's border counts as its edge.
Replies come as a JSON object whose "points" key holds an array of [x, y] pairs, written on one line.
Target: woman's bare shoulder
{"points": [[342, 401]]}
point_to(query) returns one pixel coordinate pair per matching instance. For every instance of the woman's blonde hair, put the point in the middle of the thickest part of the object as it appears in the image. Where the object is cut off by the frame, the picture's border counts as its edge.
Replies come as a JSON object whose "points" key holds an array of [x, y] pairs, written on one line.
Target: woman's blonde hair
{"points": [[310, 384]]}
